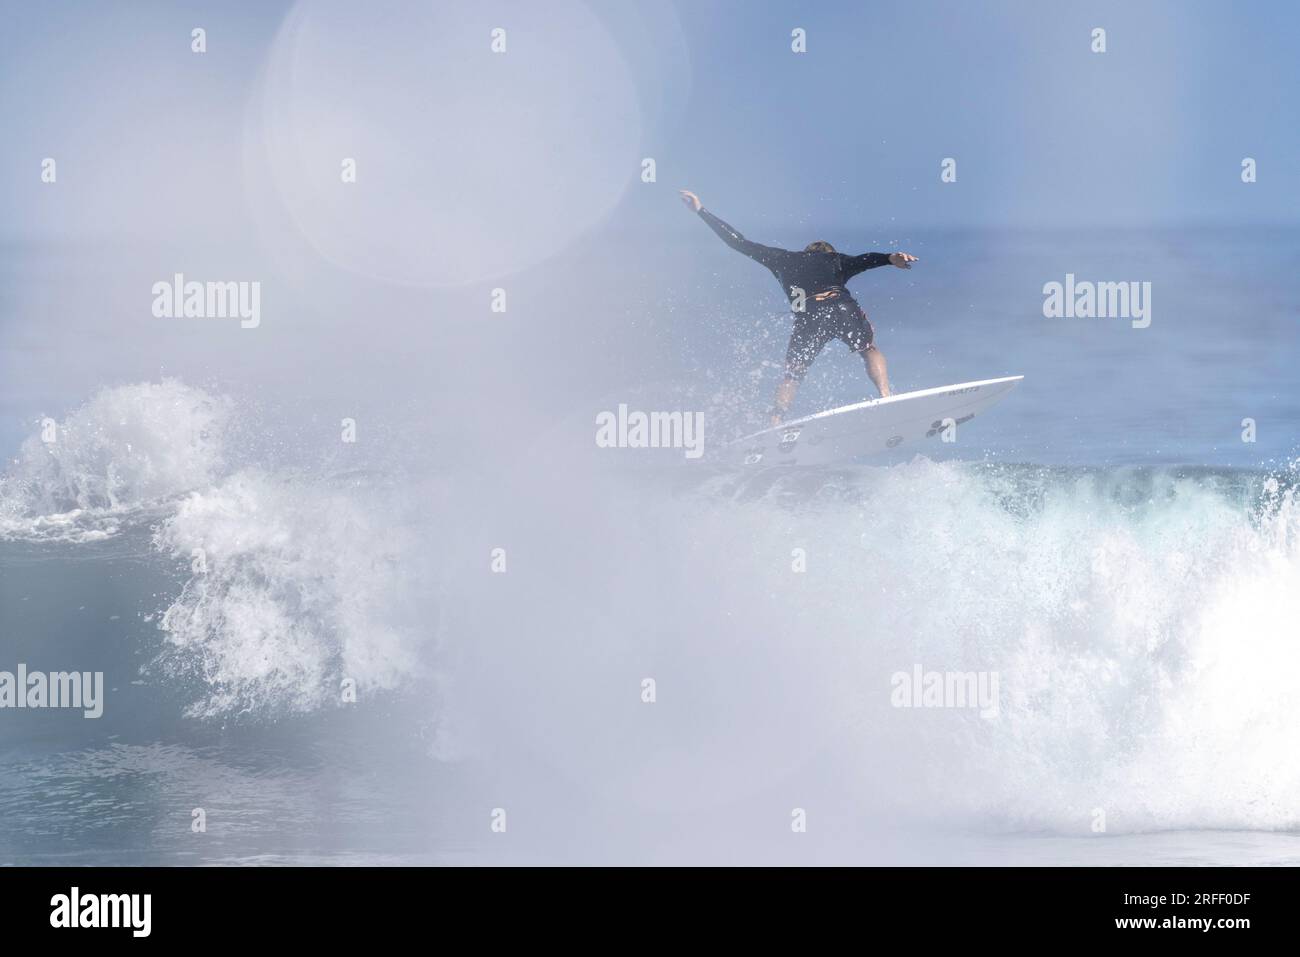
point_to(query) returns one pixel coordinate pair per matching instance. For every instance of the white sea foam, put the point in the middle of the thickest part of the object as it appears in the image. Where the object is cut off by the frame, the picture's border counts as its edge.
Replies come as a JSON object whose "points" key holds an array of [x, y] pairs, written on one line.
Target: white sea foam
{"points": [[297, 586], [1141, 623], [303, 582], [129, 447]]}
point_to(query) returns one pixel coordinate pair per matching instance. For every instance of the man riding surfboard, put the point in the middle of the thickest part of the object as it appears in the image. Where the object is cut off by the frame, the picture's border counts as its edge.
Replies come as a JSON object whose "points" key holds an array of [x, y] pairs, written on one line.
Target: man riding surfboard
{"points": [[814, 280]]}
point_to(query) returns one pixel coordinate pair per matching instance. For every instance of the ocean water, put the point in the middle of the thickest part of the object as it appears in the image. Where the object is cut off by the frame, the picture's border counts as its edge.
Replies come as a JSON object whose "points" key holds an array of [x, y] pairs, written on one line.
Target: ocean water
{"points": [[1105, 542]]}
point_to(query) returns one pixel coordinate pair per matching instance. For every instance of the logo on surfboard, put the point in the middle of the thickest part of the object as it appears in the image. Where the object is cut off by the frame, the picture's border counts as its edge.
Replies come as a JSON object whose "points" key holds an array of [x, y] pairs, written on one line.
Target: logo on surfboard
{"points": [[938, 426]]}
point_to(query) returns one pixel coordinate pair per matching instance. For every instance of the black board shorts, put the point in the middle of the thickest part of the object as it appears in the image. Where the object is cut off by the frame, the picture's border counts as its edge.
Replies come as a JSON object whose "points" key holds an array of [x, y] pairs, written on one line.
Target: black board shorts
{"points": [[839, 318]]}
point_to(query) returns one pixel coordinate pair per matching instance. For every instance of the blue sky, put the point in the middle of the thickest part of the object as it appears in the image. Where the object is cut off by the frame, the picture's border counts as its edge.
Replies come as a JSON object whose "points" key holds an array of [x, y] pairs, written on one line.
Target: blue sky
{"points": [[1045, 132]]}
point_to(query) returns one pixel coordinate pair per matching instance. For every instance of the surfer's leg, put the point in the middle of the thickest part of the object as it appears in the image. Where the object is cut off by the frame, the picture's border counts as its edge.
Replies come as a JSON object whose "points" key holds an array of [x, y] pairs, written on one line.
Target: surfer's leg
{"points": [[806, 342], [861, 337], [785, 393], [877, 369]]}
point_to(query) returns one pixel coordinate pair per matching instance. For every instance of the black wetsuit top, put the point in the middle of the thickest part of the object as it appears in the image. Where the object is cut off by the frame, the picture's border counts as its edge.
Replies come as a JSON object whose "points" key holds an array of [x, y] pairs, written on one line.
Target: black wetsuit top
{"points": [[813, 272]]}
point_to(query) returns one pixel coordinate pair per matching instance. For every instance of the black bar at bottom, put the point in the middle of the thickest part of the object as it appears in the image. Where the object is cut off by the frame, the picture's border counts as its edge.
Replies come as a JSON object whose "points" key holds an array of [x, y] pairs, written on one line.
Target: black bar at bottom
{"points": [[335, 906]]}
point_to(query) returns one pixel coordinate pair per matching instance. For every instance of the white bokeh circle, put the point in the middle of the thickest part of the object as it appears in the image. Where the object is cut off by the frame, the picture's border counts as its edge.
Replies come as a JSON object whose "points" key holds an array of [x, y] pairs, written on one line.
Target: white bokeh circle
{"points": [[470, 163]]}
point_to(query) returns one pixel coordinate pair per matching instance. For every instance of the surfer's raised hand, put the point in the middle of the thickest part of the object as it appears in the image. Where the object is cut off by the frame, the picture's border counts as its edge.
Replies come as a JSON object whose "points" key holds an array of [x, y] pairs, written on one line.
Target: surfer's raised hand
{"points": [[691, 200], [902, 260]]}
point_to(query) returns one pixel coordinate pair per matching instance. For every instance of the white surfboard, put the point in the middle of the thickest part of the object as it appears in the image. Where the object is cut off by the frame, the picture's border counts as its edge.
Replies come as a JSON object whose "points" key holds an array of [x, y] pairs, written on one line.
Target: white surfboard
{"points": [[915, 418]]}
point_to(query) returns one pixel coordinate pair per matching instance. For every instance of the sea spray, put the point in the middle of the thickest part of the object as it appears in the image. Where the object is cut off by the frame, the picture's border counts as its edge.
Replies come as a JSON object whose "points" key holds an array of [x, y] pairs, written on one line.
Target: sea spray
{"points": [[127, 447], [302, 586], [1139, 622]]}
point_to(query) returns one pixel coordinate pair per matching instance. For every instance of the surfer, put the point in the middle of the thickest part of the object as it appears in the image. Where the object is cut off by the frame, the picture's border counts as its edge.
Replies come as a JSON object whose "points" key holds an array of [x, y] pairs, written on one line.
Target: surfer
{"points": [[814, 279]]}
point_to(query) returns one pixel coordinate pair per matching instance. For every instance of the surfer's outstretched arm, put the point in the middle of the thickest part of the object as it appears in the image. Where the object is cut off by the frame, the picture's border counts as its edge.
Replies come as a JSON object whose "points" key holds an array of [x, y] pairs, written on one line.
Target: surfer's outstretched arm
{"points": [[767, 255], [852, 265]]}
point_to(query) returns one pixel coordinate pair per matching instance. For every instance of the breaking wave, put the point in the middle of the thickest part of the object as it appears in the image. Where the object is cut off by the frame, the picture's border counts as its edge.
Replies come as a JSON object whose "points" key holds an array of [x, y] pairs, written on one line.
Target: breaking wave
{"points": [[127, 449], [1141, 620]]}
